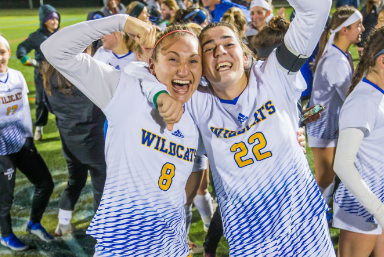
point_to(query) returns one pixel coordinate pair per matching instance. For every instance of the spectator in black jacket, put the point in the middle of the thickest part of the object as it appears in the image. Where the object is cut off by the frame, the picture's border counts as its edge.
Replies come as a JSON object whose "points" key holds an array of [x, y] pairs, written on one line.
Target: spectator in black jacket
{"points": [[370, 14], [49, 24], [81, 127]]}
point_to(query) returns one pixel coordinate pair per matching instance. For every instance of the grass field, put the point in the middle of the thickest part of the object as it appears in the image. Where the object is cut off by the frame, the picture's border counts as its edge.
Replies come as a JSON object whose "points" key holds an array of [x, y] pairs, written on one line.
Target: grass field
{"points": [[16, 25]]}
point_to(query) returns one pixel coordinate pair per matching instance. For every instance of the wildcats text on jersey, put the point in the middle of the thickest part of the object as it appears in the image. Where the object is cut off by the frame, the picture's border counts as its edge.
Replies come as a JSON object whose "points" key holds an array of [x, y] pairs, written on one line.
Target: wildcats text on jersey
{"points": [[11, 98], [259, 116], [176, 150]]}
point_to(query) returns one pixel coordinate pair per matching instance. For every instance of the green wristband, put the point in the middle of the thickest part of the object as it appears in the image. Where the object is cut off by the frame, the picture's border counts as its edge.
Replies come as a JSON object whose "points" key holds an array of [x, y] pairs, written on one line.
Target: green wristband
{"points": [[24, 59], [157, 95]]}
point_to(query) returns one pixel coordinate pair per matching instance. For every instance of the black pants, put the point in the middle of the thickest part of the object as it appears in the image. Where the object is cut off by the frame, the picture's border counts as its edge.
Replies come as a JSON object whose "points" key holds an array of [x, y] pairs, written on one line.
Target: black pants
{"points": [[215, 233], [81, 156], [34, 168], [41, 109]]}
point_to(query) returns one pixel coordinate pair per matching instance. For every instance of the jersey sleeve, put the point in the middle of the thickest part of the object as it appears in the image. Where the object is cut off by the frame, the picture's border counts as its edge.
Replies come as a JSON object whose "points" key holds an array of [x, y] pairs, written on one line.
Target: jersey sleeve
{"points": [[303, 33], [358, 112], [64, 50], [27, 118]]}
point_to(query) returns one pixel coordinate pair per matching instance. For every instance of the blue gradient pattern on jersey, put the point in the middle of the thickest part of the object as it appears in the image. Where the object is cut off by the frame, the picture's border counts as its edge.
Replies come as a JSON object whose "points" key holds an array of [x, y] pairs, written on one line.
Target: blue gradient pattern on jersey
{"points": [[11, 135], [371, 171], [267, 206], [135, 223], [327, 126]]}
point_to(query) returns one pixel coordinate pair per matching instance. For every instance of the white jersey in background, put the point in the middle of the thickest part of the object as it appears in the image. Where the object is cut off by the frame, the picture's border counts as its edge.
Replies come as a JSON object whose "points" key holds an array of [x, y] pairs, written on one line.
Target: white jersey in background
{"points": [[142, 209], [15, 114], [269, 200], [115, 60], [331, 82], [364, 109]]}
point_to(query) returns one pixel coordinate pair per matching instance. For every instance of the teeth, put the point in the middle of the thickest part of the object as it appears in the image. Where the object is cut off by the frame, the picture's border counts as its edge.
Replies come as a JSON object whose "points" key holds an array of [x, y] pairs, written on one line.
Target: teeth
{"points": [[181, 81], [223, 64], [180, 90]]}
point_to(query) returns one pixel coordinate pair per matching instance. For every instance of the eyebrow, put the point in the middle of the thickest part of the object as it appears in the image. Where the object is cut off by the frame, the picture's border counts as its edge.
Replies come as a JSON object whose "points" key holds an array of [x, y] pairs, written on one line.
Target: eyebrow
{"points": [[211, 41], [179, 55]]}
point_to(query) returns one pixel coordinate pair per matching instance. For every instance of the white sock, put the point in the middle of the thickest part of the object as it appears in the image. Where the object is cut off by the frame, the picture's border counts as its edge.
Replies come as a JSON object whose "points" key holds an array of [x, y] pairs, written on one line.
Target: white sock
{"points": [[188, 217], [327, 193], [39, 128], [203, 204], [64, 217]]}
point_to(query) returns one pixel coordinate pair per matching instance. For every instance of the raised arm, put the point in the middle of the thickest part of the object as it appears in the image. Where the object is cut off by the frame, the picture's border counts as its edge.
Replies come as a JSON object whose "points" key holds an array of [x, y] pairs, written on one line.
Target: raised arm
{"points": [[97, 80], [303, 33]]}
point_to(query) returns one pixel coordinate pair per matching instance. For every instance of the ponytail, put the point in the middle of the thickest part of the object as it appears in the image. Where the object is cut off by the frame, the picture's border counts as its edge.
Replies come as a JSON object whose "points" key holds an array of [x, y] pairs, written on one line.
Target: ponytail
{"points": [[322, 44]]}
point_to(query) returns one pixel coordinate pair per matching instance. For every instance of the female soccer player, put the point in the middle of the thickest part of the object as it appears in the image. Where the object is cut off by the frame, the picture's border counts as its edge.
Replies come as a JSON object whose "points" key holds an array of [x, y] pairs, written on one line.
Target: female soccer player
{"points": [[138, 10], [358, 202], [142, 209], [17, 150], [333, 73], [270, 203], [260, 11]]}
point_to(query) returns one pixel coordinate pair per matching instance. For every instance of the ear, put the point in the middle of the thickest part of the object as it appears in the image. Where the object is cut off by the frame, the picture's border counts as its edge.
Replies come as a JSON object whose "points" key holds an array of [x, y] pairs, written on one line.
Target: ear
{"points": [[246, 60], [138, 57], [152, 66], [268, 13], [380, 61]]}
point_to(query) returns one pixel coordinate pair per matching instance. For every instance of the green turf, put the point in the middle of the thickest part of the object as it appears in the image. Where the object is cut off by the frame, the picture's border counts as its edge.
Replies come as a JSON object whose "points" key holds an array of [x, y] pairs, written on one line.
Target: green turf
{"points": [[16, 25]]}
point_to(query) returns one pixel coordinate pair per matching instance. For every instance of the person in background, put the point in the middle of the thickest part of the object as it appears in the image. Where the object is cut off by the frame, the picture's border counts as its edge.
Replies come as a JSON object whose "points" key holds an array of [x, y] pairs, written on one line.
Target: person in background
{"points": [[332, 78], [358, 201], [380, 19], [236, 17], [112, 7], [354, 3], [370, 14], [168, 10], [138, 10], [199, 16], [217, 8], [49, 24], [80, 124], [191, 3], [260, 11], [17, 150]]}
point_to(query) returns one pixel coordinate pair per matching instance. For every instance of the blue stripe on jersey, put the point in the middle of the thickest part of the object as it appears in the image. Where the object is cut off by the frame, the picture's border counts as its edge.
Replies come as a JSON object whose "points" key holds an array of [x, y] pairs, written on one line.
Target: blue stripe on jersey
{"points": [[5, 79], [340, 51], [121, 57], [234, 101], [11, 135], [372, 84]]}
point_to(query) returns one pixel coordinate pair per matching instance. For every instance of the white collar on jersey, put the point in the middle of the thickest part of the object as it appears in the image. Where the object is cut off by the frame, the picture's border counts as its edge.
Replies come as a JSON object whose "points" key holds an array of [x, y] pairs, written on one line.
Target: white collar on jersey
{"points": [[6, 79], [352, 19]]}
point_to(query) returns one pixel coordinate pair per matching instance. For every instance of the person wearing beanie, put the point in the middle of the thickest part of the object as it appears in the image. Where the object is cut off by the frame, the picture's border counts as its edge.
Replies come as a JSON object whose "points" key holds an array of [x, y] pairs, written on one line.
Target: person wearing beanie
{"points": [[49, 24], [112, 7]]}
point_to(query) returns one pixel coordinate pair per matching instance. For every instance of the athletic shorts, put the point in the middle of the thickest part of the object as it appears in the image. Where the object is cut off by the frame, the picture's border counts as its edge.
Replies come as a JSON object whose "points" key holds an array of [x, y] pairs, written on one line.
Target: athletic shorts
{"points": [[308, 239], [350, 222], [321, 143]]}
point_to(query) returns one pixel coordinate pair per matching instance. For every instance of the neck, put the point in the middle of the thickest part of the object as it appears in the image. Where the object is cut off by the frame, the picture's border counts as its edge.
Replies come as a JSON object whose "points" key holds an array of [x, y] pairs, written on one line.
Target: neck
{"points": [[120, 49], [231, 90], [4, 70], [50, 30], [376, 78], [343, 45], [213, 7]]}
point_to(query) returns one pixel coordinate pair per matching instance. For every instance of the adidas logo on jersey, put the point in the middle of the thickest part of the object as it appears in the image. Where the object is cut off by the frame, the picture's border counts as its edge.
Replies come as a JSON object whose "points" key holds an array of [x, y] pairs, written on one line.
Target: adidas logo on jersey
{"points": [[178, 134], [117, 67], [242, 118], [370, 220]]}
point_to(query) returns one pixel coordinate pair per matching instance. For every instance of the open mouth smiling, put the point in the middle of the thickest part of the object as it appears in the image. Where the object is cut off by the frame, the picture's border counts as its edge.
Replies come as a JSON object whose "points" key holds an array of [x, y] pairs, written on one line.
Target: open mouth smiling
{"points": [[181, 86], [223, 66]]}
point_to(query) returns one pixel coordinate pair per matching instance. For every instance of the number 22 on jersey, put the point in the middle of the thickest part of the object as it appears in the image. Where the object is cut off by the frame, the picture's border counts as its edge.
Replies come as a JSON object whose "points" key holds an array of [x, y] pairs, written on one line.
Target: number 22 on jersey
{"points": [[240, 149], [166, 175]]}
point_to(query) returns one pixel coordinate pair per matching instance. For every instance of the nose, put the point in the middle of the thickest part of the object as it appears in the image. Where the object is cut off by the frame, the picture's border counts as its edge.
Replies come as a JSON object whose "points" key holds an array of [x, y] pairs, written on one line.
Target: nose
{"points": [[220, 51], [183, 70]]}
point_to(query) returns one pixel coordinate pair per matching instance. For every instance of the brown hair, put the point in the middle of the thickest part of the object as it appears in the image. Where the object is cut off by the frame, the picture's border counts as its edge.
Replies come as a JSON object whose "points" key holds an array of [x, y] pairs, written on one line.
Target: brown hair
{"points": [[369, 6], [236, 17], [374, 45], [341, 15], [172, 5], [47, 71], [131, 6], [169, 29], [129, 42], [272, 35]]}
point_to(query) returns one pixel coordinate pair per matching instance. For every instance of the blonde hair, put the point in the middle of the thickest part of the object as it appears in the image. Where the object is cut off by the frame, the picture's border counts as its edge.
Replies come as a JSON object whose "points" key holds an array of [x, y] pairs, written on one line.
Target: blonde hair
{"points": [[236, 17]]}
